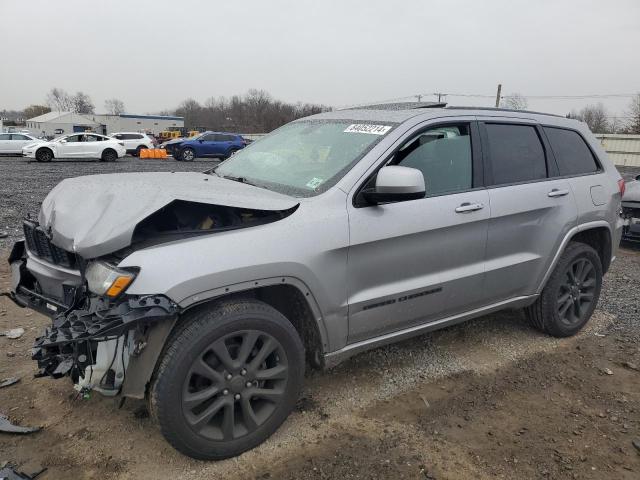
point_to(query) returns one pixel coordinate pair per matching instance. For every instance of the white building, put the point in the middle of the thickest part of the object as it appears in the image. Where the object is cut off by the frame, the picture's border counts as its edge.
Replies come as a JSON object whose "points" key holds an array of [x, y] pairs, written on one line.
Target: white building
{"points": [[57, 123], [63, 123]]}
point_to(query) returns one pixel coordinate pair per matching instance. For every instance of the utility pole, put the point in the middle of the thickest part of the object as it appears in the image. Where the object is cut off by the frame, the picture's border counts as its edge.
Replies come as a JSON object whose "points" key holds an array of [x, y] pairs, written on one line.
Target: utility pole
{"points": [[419, 97], [498, 95]]}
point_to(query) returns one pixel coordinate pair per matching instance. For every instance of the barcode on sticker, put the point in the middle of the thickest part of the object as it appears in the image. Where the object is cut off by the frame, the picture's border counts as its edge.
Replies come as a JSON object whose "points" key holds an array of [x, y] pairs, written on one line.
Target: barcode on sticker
{"points": [[367, 128]]}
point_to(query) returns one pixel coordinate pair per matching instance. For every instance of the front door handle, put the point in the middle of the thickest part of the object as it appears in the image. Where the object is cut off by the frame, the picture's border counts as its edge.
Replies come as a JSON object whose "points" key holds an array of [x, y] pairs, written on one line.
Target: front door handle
{"points": [[469, 207], [557, 193]]}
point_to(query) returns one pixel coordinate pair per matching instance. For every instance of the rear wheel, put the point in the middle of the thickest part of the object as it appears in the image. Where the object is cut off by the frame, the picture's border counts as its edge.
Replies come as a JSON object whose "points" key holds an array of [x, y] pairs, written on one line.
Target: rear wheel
{"points": [[44, 155], [228, 378], [137, 152], [571, 294], [188, 154], [109, 155]]}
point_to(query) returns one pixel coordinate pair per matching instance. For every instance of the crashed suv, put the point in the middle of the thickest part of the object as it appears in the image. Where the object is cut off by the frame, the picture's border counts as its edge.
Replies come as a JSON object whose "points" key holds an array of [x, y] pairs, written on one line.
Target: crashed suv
{"points": [[208, 293]]}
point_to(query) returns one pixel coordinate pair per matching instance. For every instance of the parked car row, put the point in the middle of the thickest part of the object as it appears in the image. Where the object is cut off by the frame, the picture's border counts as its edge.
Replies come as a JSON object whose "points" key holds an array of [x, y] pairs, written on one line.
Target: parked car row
{"points": [[110, 148]]}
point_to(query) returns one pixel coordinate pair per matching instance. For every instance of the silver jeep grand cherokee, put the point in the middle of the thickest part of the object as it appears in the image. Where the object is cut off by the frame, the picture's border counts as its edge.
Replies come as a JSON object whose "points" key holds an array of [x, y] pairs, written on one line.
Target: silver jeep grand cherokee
{"points": [[207, 293]]}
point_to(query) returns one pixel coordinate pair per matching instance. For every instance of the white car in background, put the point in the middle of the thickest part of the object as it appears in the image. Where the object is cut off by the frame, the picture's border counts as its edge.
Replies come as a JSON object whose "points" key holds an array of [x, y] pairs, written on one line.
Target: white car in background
{"points": [[77, 145], [12, 143], [134, 141]]}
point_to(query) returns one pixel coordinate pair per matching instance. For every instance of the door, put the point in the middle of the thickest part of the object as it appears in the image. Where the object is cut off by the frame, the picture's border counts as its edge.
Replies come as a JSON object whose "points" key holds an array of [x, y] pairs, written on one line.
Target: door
{"points": [[531, 208], [5, 143], [226, 144], [417, 261], [70, 147], [208, 145], [18, 141], [93, 145]]}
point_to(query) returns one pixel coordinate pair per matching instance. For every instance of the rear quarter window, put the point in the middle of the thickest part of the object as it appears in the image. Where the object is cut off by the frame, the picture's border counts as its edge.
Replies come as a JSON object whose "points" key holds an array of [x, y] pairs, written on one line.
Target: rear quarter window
{"points": [[572, 154]]}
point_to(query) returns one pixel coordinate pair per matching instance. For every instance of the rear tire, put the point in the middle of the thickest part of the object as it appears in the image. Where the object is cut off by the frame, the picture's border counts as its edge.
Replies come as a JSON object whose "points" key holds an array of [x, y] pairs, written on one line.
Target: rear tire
{"points": [[571, 293], [109, 155], [44, 155], [137, 152], [228, 378]]}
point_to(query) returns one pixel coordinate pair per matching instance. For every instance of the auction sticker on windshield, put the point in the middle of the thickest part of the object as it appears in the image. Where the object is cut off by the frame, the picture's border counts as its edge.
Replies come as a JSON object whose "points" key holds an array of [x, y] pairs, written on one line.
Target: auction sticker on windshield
{"points": [[367, 128]]}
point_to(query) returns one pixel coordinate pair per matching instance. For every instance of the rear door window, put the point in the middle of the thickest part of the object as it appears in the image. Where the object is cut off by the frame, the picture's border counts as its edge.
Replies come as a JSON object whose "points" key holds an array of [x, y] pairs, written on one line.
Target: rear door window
{"points": [[571, 151], [516, 153]]}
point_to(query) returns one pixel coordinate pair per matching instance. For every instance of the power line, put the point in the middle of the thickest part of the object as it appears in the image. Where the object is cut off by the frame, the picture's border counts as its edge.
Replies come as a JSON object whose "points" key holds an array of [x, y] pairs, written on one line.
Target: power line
{"points": [[441, 95]]}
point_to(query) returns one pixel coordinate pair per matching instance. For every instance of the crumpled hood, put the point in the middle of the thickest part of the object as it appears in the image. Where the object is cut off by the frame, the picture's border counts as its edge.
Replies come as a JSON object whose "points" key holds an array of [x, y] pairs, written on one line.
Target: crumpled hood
{"points": [[632, 191], [96, 215]]}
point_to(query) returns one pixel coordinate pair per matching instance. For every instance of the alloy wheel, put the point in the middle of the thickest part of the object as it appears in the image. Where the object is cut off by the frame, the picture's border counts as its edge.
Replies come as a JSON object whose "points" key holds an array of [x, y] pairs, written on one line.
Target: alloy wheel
{"points": [[577, 291], [188, 155], [234, 385]]}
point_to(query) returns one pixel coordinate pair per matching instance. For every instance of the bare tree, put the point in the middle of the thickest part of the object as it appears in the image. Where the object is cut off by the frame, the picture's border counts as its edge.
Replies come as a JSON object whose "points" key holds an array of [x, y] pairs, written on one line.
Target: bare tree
{"points": [[595, 116], [81, 103], [633, 112], [35, 110], [515, 101], [114, 106], [255, 112], [59, 100]]}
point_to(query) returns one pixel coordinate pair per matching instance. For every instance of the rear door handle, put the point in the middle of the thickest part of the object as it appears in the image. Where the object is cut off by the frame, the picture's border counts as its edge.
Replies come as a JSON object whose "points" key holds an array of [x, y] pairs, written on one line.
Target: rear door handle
{"points": [[557, 193], [469, 207]]}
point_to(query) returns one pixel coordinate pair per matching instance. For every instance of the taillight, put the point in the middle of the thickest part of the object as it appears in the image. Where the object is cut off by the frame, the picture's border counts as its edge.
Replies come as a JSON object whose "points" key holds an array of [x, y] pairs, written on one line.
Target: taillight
{"points": [[622, 187]]}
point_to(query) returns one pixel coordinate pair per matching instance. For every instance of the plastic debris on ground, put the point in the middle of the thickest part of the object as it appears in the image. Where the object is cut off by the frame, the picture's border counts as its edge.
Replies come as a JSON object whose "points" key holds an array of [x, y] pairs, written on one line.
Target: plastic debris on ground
{"points": [[7, 427], [5, 382]]}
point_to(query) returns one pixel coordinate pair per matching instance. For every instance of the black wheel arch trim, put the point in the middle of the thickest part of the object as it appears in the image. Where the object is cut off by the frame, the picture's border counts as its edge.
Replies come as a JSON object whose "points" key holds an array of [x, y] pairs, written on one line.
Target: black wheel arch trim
{"points": [[569, 236], [141, 370]]}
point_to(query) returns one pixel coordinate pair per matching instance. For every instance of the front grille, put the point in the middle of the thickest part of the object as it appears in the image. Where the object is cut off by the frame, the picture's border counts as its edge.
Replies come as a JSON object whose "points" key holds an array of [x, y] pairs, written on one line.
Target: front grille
{"points": [[39, 245]]}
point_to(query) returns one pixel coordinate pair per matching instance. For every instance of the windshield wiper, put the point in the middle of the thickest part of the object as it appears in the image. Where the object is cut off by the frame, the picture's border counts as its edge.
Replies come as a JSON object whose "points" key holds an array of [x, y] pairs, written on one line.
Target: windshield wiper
{"points": [[235, 179]]}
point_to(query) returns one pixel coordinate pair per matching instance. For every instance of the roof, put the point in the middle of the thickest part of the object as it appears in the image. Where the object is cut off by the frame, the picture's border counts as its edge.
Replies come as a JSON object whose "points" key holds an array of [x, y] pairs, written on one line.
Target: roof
{"points": [[151, 117], [68, 117], [401, 112]]}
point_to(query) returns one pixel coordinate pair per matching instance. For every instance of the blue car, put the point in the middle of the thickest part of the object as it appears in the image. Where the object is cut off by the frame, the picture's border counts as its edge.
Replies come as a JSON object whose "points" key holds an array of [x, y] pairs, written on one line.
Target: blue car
{"points": [[207, 144]]}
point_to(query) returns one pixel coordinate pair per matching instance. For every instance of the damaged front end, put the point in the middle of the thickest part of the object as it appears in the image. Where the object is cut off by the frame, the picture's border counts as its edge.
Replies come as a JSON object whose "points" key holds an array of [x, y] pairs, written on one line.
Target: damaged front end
{"points": [[93, 345], [67, 267], [96, 328]]}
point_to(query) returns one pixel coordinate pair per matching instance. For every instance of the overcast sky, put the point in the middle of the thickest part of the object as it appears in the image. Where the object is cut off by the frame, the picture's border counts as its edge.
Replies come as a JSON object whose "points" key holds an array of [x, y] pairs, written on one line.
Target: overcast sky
{"points": [[152, 54]]}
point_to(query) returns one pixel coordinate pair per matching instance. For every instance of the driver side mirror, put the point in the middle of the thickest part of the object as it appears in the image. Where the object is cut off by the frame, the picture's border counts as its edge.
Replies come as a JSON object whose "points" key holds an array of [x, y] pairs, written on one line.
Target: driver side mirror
{"points": [[63, 141], [396, 184]]}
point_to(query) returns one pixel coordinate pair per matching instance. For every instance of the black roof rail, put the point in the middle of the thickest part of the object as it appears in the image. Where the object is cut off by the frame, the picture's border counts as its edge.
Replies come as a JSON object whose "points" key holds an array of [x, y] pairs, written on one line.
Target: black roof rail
{"points": [[399, 106], [498, 109]]}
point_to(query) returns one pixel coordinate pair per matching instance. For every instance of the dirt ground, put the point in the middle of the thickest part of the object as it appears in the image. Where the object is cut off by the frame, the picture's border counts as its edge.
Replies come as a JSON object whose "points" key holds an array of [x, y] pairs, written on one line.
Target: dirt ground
{"points": [[487, 399]]}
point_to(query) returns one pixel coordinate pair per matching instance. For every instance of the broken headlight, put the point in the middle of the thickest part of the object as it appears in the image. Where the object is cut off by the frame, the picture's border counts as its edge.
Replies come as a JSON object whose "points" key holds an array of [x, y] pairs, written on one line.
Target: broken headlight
{"points": [[105, 279]]}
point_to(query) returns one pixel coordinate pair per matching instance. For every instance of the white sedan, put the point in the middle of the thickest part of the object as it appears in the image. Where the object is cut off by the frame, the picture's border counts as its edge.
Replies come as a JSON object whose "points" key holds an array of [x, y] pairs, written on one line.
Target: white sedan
{"points": [[78, 145], [12, 143]]}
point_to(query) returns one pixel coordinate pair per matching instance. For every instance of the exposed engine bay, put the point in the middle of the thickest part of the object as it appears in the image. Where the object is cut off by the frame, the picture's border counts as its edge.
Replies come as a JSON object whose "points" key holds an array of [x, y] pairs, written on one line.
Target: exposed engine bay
{"points": [[181, 219]]}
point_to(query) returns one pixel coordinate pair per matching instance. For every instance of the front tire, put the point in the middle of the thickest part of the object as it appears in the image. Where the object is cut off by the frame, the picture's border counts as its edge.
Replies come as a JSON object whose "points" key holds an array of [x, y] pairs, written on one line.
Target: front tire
{"points": [[228, 378], [571, 293], [44, 155], [188, 154]]}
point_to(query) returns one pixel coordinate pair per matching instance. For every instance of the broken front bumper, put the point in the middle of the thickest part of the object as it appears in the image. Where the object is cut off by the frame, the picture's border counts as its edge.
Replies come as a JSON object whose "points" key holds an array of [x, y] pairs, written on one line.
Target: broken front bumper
{"points": [[88, 333]]}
